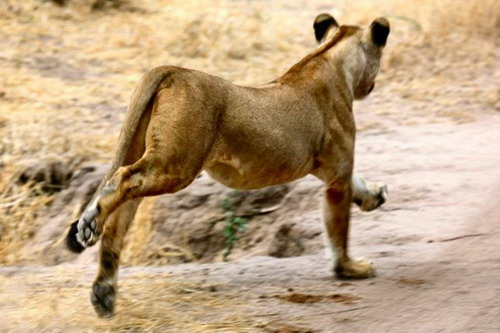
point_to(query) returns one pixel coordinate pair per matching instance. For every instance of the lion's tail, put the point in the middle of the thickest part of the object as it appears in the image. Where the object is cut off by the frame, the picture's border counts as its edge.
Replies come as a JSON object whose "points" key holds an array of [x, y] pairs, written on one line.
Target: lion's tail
{"points": [[141, 97]]}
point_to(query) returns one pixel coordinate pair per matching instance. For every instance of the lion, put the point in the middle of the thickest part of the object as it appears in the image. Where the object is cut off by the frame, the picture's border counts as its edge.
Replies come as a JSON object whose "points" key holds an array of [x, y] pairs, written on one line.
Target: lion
{"points": [[180, 122]]}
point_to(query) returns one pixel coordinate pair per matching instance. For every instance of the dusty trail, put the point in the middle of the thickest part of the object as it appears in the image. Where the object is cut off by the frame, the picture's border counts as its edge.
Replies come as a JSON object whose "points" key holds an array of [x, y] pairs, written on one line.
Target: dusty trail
{"points": [[435, 244]]}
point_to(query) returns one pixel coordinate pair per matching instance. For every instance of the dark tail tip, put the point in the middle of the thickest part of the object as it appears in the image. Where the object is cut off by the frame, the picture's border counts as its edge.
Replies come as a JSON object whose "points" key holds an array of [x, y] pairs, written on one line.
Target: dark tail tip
{"points": [[72, 244]]}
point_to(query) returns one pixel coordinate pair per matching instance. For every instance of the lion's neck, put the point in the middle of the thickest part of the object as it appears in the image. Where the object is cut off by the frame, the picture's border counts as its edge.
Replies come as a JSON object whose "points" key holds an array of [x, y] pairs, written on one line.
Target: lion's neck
{"points": [[325, 80], [344, 81]]}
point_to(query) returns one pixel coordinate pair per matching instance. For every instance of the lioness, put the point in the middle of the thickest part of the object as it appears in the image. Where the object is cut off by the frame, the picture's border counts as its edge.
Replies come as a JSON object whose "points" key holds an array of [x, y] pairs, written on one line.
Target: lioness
{"points": [[180, 122]]}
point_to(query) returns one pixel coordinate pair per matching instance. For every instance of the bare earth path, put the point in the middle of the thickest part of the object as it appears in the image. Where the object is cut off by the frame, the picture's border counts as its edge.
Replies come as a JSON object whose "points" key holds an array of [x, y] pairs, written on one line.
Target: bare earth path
{"points": [[436, 245]]}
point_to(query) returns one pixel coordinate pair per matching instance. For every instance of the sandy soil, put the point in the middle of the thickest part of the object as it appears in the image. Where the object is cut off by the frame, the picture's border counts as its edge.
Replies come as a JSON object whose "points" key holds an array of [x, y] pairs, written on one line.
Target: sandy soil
{"points": [[435, 245]]}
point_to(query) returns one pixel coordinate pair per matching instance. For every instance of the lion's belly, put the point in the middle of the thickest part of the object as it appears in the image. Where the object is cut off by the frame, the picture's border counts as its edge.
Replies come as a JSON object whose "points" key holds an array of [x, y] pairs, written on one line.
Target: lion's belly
{"points": [[240, 171]]}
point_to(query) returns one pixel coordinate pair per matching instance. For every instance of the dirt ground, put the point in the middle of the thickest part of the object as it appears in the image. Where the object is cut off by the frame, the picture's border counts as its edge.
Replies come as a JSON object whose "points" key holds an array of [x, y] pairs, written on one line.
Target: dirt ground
{"points": [[430, 131]]}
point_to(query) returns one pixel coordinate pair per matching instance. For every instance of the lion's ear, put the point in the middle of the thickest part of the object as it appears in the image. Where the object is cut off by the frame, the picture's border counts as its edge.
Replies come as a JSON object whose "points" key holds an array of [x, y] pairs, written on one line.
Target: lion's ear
{"points": [[322, 26], [380, 29]]}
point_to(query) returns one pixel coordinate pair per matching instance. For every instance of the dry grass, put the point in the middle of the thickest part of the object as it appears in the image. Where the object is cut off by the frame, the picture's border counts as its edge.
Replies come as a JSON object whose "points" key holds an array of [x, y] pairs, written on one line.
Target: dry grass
{"points": [[154, 302], [66, 72]]}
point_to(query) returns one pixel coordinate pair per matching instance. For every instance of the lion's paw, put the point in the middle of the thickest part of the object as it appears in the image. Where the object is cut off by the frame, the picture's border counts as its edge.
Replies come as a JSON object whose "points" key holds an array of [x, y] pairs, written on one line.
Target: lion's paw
{"points": [[103, 297], [87, 226], [376, 197], [355, 269]]}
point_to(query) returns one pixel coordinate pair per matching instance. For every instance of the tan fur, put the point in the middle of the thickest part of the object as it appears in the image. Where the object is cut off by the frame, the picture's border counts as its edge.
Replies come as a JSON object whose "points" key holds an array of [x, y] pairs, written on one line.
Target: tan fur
{"points": [[182, 121]]}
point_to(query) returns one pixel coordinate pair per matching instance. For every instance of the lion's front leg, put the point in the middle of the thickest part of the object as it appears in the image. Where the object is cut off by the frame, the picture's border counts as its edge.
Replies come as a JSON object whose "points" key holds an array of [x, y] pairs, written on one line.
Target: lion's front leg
{"points": [[367, 195], [338, 197]]}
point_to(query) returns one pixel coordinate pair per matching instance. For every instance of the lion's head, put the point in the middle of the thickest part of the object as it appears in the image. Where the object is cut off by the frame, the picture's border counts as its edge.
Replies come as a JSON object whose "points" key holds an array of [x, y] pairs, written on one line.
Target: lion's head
{"points": [[359, 49]]}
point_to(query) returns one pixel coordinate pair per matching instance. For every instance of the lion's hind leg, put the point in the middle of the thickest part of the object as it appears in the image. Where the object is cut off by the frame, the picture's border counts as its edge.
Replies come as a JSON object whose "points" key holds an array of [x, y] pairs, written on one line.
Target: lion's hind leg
{"points": [[146, 177], [168, 152], [104, 288], [86, 230], [117, 203]]}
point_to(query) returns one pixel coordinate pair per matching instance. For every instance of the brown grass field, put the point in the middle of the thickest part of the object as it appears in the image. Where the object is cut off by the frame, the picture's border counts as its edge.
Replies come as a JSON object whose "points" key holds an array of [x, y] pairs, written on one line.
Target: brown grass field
{"points": [[66, 74]]}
